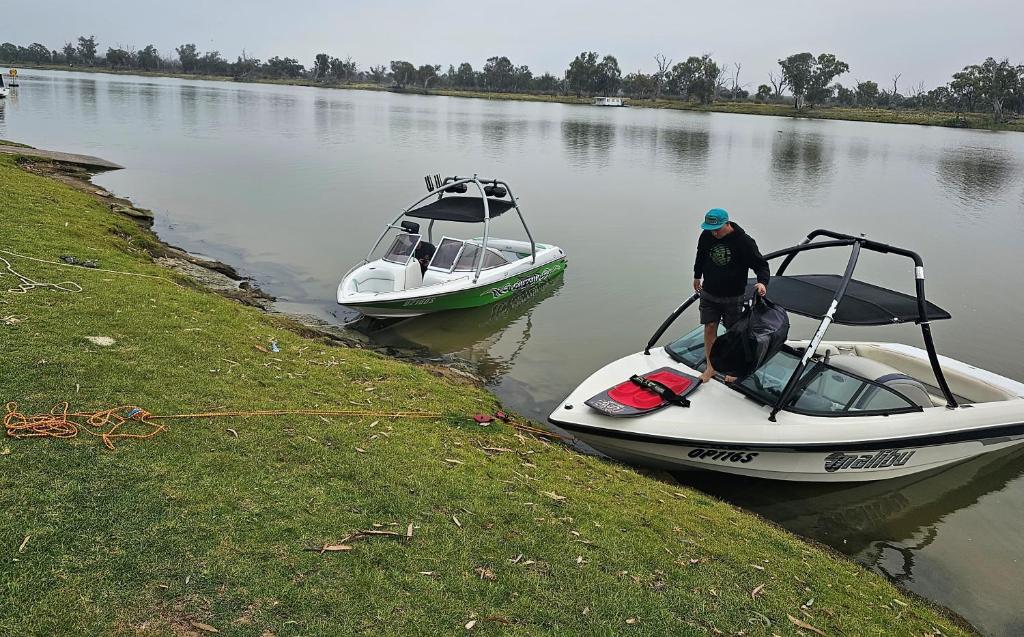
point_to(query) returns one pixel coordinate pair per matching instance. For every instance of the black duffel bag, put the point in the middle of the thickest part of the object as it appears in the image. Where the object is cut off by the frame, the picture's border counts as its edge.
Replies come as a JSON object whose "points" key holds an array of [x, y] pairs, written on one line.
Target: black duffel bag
{"points": [[757, 335]]}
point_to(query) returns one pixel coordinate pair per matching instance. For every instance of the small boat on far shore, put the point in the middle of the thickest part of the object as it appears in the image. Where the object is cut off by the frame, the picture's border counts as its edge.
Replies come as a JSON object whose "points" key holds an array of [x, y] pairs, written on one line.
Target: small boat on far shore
{"points": [[609, 101]]}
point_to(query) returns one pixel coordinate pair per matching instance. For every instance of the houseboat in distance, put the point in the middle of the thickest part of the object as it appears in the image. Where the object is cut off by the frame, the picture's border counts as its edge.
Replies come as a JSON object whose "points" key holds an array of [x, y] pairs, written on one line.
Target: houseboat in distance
{"points": [[608, 101]]}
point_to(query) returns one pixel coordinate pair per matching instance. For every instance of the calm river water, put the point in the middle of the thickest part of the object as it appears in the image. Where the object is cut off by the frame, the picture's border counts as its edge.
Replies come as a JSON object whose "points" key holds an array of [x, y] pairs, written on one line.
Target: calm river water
{"points": [[292, 184]]}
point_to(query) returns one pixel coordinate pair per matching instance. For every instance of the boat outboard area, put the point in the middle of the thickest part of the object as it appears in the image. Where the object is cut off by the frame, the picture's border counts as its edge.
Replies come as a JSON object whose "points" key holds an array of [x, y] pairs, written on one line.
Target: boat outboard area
{"points": [[423, 270], [816, 410]]}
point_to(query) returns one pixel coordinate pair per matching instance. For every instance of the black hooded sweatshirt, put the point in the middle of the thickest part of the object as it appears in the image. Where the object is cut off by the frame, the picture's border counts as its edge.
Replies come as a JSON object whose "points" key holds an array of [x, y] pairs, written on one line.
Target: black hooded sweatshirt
{"points": [[723, 263]]}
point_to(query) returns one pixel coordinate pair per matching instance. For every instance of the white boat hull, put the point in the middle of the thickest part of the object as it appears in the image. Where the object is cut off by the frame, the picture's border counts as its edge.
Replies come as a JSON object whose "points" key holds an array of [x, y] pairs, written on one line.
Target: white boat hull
{"points": [[725, 431], [460, 292], [793, 465]]}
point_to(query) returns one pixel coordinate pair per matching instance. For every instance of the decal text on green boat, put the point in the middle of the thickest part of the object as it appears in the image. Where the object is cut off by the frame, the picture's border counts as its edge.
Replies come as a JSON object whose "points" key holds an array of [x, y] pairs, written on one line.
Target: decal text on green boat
{"points": [[515, 286]]}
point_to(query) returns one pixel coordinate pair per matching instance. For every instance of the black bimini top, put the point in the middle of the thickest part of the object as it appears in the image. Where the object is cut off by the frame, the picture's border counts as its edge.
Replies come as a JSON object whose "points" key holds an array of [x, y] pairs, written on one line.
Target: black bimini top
{"points": [[462, 209], [863, 304]]}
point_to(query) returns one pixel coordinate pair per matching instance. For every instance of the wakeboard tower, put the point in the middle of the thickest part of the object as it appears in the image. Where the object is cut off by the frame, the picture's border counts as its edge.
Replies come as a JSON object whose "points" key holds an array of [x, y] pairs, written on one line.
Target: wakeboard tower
{"points": [[414, 276], [815, 410]]}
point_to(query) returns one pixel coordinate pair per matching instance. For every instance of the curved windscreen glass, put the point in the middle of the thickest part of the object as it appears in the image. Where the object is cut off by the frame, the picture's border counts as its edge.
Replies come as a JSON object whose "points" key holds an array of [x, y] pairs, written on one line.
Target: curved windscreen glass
{"points": [[467, 262], [402, 248], [827, 390], [446, 254]]}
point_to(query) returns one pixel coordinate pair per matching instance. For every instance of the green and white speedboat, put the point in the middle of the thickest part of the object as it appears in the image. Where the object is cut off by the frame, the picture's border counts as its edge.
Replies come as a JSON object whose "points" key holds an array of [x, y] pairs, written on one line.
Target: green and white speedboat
{"points": [[414, 276]]}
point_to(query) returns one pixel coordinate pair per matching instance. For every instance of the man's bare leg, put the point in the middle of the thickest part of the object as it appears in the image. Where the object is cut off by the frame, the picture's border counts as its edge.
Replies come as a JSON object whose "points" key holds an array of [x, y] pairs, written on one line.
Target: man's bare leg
{"points": [[710, 335]]}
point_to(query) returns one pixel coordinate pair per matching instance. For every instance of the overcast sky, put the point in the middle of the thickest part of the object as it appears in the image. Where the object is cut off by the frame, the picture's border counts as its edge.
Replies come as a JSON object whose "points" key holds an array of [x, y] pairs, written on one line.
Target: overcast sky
{"points": [[926, 41]]}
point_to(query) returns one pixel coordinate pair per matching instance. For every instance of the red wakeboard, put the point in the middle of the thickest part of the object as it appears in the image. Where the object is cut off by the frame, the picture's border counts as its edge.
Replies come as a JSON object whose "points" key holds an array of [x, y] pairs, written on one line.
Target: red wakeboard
{"points": [[642, 395]]}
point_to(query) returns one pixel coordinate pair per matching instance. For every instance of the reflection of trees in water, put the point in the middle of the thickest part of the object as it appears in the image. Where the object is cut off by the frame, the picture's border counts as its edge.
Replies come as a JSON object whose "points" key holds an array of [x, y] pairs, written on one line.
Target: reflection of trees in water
{"points": [[85, 91], [690, 147], [149, 97], [188, 96], [686, 148], [495, 132], [859, 151], [975, 175], [800, 162], [588, 141], [331, 117]]}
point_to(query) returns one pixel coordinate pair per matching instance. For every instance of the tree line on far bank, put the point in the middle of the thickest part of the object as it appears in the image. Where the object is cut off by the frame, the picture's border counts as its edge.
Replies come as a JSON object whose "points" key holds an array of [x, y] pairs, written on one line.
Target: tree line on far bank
{"points": [[803, 79]]}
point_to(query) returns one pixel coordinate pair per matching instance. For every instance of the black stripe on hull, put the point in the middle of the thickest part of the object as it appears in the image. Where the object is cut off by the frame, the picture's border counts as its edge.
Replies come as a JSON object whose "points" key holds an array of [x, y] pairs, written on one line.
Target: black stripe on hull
{"points": [[984, 436]]}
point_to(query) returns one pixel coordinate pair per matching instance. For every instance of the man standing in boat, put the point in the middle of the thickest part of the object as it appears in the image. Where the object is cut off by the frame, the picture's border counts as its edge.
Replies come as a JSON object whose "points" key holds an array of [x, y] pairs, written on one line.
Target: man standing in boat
{"points": [[724, 254]]}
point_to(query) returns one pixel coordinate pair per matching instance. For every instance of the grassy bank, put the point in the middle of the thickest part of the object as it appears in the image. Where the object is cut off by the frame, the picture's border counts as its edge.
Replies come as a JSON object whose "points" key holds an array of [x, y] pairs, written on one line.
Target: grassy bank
{"points": [[205, 526], [854, 114]]}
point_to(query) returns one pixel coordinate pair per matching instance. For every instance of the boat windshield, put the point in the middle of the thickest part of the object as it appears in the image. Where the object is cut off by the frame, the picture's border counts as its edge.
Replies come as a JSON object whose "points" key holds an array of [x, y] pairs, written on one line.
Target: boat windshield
{"points": [[446, 254], [402, 248], [824, 390], [467, 262]]}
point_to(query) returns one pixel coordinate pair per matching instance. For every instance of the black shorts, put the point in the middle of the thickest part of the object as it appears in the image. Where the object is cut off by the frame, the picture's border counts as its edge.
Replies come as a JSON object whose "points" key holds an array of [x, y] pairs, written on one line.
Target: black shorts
{"points": [[720, 309]]}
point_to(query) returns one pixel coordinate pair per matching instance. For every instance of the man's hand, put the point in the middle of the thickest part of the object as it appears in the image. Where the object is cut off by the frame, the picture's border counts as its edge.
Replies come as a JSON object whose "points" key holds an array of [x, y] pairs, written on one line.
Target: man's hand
{"points": [[761, 289], [696, 285]]}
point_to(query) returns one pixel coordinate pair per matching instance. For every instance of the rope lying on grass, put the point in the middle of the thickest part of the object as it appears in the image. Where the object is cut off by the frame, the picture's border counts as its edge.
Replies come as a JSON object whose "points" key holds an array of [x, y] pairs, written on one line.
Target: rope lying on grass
{"points": [[67, 286], [26, 284], [107, 423]]}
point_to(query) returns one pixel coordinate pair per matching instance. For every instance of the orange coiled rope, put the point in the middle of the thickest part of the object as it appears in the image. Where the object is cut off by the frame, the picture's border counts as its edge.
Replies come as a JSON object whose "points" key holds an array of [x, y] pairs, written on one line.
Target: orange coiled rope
{"points": [[107, 424]]}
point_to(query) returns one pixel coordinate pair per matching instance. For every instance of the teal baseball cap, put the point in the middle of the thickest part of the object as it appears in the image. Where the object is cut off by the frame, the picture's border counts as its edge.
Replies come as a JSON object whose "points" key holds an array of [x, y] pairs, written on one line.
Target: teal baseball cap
{"points": [[715, 219]]}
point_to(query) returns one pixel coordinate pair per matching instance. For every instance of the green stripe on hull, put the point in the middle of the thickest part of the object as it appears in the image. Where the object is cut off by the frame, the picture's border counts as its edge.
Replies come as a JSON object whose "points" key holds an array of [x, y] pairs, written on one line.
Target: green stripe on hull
{"points": [[474, 297]]}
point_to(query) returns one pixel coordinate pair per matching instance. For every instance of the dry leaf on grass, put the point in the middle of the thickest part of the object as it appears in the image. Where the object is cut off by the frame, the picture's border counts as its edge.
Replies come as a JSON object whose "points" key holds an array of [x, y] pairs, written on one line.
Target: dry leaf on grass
{"points": [[24, 543], [760, 568], [554, 496], [453, 461], [485, 573], [360, 450], [233, 432], [757, 591], [470, 624], [456, 521], [204, 627], [632, 620], [805, 625]]}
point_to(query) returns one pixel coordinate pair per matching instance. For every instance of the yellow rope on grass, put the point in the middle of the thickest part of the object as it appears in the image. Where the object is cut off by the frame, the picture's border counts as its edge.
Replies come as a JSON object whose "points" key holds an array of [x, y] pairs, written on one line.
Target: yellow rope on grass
{"points": [[106, 424]]}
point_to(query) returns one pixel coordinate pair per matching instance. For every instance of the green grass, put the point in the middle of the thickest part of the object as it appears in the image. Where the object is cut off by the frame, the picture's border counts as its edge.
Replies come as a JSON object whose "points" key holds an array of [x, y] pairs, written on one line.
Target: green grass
{"points": [[855, 114], [198, 525]]}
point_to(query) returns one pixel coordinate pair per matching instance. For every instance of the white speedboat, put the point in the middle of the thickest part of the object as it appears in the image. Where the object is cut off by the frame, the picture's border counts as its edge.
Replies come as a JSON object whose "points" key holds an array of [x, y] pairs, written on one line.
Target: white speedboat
{"points": [[823, 411], [414, 277], [3, 89]]}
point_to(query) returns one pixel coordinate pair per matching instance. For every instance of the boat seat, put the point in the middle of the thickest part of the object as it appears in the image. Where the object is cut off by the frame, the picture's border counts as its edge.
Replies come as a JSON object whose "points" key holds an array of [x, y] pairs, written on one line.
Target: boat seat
{"points": [[423, 254], [890, 377]]}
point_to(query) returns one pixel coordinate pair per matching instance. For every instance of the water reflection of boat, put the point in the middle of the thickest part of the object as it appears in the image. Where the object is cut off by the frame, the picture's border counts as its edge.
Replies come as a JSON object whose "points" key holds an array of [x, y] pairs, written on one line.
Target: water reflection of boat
{"points": [[475, 334], [870, 520]]}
